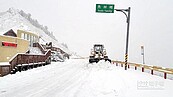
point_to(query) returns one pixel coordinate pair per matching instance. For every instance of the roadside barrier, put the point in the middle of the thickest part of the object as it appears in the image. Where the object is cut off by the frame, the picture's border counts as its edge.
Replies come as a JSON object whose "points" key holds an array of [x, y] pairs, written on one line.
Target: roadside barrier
{"points": [[143, 67]]}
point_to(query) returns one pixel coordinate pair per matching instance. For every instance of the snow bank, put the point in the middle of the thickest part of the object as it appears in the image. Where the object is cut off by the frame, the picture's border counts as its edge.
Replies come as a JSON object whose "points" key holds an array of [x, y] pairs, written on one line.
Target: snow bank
{"points": [[35, 51]]}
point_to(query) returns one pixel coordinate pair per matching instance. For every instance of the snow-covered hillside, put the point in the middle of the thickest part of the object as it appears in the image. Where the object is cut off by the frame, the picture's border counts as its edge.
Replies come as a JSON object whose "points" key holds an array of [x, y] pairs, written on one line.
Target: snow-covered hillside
{"points": [[77, 78], [15, 19]]}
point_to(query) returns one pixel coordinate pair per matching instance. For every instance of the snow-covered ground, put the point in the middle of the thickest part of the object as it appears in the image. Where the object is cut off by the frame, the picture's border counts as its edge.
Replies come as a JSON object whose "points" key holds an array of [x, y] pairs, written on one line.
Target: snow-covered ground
{"points": [[77, 78], [35, 50]]}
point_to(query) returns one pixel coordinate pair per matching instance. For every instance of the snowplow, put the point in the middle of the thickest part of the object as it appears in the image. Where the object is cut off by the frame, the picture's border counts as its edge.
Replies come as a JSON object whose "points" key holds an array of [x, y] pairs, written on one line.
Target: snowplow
{"points": [[98, 53]]}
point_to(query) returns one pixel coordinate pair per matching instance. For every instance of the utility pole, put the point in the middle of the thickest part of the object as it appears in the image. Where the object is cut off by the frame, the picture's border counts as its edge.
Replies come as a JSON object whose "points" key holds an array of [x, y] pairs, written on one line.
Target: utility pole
{"points": [[127, 14]]}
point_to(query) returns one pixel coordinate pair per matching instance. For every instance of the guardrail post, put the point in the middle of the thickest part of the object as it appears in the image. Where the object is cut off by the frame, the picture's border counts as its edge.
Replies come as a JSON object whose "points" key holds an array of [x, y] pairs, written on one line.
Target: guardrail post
{"points": [[152, 71], [116, 64], [128, 66], [142, 69], [165, 75], [135, 68]]}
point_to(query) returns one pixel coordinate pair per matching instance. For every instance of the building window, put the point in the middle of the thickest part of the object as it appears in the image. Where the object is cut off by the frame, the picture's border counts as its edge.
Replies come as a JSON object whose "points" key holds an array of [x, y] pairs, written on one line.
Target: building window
{"points": [[28, 37], [22, 36], [34, 39], [31, 40]]}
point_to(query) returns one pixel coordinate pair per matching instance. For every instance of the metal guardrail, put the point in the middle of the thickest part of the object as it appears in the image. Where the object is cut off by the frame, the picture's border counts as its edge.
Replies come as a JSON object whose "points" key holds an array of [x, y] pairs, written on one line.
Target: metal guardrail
{"points": [[151, 68]]}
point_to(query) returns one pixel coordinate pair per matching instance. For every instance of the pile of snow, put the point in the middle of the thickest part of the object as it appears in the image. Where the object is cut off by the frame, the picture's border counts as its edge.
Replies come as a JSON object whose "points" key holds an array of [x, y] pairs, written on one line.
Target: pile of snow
{"points": [[35, 51], [78, 78], [75, 56], [15, 19]]}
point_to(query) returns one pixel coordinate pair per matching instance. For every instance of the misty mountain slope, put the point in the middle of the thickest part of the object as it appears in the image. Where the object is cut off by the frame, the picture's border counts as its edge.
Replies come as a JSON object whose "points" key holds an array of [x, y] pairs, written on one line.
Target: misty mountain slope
{"points": [[11, 19], [15, 19]]}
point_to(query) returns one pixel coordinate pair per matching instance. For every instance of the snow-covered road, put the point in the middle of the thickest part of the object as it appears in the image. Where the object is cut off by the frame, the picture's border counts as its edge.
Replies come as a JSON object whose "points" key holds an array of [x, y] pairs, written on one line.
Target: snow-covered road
{"points": [[77, 78]]}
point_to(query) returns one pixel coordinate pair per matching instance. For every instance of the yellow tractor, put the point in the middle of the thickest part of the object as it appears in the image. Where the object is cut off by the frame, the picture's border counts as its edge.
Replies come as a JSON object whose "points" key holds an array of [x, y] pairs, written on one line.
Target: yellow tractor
{"points": [[98, 53]]}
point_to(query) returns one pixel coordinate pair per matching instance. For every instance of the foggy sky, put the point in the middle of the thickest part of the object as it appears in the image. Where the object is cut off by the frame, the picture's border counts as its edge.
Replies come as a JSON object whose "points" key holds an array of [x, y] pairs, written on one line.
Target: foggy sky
{"points": [[76, 23]]}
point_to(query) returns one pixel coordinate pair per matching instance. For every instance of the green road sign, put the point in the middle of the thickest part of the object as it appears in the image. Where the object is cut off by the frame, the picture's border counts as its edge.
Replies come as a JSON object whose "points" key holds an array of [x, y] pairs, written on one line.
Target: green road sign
{"points": [[105, 8]]}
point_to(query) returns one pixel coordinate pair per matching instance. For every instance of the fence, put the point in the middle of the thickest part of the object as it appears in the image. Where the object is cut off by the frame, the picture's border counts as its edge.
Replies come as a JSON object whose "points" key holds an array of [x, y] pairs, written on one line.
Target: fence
{"points": [[26, 60]]}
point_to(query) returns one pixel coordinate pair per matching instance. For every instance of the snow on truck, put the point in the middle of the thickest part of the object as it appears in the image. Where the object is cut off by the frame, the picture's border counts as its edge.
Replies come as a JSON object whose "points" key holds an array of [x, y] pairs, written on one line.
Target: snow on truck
{"points": [[98, 53]]}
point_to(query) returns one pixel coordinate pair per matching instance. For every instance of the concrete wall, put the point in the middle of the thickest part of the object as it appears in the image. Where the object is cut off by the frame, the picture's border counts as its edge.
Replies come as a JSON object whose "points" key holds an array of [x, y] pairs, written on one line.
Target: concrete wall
{"points": [[7, 52], [23, 40], [31, 37], [4, 70]]}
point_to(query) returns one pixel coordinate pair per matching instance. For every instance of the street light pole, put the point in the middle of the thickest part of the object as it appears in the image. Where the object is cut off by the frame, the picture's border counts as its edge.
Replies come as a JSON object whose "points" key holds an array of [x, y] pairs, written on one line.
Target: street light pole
{"points": [[125, 11]]}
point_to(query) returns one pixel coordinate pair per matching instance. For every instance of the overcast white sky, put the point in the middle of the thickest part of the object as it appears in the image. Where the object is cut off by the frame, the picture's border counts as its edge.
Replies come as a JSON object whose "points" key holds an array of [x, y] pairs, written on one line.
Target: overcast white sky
{"points": [[76, 23]]}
